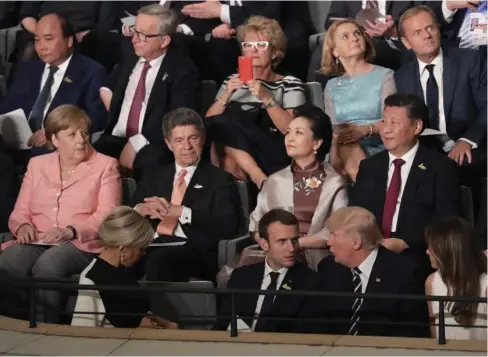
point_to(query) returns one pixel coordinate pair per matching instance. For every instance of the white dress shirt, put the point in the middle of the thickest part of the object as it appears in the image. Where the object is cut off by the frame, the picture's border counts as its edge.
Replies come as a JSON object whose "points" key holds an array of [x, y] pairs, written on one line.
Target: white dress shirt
{"points": [[438, 63], [225, 11], [57, 79], [137, 141], [366, 267], [449, 15], [405, 170], [264, 286]]}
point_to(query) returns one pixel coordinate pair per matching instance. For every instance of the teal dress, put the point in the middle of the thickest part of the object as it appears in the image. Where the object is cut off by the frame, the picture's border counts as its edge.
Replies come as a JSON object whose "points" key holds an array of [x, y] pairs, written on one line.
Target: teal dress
{"points": [[359, 100]]}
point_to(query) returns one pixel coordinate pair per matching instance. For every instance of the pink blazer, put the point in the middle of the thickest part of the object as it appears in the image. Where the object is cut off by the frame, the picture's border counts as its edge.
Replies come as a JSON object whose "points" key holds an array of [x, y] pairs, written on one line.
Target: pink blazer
{"points": [[91, 192]]}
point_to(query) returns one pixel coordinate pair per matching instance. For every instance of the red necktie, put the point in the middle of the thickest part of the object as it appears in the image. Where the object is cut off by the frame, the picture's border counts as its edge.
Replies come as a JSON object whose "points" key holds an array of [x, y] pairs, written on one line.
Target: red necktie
{"points": [[372, 4], [392, 198], [136, 107]]}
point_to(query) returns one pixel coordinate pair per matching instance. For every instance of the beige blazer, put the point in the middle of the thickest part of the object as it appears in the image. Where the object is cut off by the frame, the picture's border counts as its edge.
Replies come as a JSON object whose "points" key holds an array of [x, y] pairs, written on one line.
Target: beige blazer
{"points": [[277, 192]]}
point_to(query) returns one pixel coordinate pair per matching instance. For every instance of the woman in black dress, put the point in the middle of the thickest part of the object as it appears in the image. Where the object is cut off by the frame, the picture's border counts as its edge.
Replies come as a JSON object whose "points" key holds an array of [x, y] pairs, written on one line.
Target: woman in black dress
{"points": [[249, 119]]}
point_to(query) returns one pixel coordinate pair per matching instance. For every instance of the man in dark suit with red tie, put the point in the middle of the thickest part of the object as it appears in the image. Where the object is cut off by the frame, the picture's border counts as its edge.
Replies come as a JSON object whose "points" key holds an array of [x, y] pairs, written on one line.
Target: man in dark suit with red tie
{"points": [[147, 85], [360, 264], [407, 185]]}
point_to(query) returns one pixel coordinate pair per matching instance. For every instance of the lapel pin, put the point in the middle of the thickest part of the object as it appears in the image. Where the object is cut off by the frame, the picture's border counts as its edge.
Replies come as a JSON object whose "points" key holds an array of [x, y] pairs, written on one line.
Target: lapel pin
{"points": [[67, 79], [422, 167], [286, 286], [165, 75], [198, 186], [378, 280]]}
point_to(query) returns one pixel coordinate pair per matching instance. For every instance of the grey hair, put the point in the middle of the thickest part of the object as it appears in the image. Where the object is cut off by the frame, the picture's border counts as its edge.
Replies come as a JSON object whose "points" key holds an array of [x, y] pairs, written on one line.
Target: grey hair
{"points": [[125, 227], [168, 20], [182, 117]]}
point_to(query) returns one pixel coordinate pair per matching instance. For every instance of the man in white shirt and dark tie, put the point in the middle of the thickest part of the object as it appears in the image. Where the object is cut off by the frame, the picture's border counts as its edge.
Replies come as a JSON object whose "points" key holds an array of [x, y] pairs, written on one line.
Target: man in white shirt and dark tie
{"points": [[278, 230], [147, 85]]}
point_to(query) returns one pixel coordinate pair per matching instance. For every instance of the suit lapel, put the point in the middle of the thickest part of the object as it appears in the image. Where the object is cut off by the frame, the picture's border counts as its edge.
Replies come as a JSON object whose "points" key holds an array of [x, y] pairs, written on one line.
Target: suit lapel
{"points": [[375, 284], [167, 179], [69, 81], [198, 184], [162, 78], [449, 79], [381, 185], [251, 301]]}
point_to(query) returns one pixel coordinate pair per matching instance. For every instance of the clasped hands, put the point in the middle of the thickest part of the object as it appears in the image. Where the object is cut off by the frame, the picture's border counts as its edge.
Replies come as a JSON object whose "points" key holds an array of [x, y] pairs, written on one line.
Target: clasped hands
{"points": [[27, 234], [158, 208]]}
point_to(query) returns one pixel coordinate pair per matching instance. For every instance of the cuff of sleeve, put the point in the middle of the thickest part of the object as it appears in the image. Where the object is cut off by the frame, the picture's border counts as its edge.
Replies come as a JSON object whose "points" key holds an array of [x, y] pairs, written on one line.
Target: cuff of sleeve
{"points": [[138, 142], [448, 14], [185, 215], [106, 89], [473, 144], [185, 29], [225, 14]]}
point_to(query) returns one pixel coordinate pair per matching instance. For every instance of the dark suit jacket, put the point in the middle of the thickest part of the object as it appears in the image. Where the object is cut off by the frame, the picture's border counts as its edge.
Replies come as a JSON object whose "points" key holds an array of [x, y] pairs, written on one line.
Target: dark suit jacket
{"points": [[86, 75], [429, 194], [177, 85], [216, 208], [250, 277], [464, 88], [391, 274], [9, 185], [349, 9], [449, 30]]}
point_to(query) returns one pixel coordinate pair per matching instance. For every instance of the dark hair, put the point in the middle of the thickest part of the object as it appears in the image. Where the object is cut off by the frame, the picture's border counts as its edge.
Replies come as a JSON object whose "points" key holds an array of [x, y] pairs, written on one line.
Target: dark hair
{"points": [[66, 26], [273, 216], [319, 124], [182, 117], [416, 108], [452, 242]]}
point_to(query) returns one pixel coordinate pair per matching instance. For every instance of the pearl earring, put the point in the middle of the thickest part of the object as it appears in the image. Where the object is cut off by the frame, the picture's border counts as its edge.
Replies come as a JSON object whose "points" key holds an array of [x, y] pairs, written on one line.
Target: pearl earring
{"points": [[337, 60], [315, 152]]}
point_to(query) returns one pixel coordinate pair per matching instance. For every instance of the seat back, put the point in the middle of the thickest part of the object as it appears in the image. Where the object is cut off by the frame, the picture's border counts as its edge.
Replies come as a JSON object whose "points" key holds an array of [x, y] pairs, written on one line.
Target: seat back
{"points": [[129, 186], [315, 94], [209, 91], [185, 305], [244, 195]]}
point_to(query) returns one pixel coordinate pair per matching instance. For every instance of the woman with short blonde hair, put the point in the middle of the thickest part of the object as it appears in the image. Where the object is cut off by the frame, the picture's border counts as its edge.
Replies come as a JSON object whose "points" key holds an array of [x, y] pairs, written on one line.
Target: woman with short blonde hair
{"points": [[354, 98], [250, 116], [125, 234]]}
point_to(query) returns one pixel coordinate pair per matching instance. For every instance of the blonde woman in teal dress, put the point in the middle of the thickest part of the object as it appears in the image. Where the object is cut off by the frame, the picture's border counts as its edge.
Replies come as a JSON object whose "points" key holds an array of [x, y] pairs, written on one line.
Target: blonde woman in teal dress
{"points": [[354, 98]]}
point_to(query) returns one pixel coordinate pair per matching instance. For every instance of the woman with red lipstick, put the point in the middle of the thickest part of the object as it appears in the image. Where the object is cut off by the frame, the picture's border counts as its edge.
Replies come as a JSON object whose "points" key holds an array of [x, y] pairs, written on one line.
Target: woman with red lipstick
{"points": [[309, 187]]}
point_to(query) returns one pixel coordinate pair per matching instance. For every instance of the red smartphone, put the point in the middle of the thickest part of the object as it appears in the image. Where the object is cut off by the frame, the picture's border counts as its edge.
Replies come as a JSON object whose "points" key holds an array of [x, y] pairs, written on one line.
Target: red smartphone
{"points": [[245, 68]]}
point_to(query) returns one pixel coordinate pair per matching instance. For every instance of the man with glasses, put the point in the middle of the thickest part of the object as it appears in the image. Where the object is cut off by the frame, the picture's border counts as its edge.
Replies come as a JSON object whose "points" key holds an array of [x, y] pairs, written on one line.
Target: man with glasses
{"points": [[278, 230], [145, 87]]}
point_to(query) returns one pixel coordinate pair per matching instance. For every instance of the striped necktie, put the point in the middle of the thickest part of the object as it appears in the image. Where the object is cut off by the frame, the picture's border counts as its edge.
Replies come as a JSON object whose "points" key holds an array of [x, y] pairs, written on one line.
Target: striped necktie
{"points": [[465, 35], [356, 306]]}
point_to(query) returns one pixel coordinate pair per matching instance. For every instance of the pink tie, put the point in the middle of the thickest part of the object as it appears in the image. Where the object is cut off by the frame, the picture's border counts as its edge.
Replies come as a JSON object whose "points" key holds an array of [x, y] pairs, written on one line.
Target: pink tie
{"points": [[136, 107], [168, 224], [392, 198]]}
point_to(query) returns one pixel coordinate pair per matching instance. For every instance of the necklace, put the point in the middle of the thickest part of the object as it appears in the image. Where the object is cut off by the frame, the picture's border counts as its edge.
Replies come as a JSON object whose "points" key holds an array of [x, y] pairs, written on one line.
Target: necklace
{"points": [[67, 172]]}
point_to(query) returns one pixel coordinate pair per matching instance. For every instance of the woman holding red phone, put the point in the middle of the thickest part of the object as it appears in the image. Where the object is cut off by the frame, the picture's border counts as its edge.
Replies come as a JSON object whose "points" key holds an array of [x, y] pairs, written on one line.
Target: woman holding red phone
{"points": [[252, 109]]}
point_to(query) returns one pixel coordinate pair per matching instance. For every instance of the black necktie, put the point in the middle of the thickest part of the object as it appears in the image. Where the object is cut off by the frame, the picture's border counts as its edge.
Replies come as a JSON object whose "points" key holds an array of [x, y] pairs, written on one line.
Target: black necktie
{"points": [[356, 306], [267, 302], [37, 113], [432, 98]]}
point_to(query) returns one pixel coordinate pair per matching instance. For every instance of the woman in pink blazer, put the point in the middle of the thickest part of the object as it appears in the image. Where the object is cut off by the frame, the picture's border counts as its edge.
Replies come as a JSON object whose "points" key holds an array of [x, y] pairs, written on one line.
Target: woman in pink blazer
{"points": [[64, 197]]}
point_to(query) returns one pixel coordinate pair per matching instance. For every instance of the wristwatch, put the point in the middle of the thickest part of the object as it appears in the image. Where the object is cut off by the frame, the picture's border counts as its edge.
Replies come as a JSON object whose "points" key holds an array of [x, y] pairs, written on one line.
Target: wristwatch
{"points": [[271, 103], [73, 230]]}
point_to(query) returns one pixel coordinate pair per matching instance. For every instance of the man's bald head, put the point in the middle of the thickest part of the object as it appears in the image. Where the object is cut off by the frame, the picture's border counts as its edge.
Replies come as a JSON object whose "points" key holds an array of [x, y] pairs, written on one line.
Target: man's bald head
{"points": [[54, 39]]}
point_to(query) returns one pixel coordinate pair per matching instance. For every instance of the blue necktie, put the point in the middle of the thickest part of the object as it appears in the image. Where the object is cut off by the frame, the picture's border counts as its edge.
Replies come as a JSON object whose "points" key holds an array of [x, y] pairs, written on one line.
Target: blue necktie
{"points": [[37, 113]]}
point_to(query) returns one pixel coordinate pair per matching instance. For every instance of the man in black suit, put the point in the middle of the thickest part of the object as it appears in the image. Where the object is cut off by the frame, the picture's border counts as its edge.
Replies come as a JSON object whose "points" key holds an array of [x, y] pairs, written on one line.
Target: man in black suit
{"points": [[191, 203], [407, 185], [146, 87], [278, 230], [453, 82], [361, 265], [389, 50]]}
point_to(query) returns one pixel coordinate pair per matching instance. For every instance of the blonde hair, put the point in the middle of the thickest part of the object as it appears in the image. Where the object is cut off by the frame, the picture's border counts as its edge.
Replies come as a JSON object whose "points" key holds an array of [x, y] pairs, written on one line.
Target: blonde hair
{"points": [[269, 27], [64, 117], [411, 12], [125, 227], [356, 220], [332, 67]]}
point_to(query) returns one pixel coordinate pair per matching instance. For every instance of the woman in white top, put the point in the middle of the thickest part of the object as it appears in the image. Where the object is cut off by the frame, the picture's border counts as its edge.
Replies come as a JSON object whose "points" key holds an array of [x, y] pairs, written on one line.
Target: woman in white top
{"points": [[461, 272]]}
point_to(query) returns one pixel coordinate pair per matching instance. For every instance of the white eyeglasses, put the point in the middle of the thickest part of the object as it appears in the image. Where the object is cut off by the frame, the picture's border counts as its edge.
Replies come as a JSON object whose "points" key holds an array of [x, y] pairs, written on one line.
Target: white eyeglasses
{"points": [[259, 45]]}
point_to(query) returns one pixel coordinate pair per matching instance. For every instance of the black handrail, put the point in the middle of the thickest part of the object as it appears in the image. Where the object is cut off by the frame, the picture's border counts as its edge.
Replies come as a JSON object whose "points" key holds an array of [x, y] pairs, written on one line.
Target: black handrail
{"points": [[32, 284]]}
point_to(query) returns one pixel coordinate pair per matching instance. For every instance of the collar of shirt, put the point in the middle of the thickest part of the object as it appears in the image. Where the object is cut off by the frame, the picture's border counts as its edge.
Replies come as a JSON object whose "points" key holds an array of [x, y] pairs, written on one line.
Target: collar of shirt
{"points": [[437, 61], [267, 270], [407, 157], [190, 171], [155, 63], [61, 68], [366, 267]]}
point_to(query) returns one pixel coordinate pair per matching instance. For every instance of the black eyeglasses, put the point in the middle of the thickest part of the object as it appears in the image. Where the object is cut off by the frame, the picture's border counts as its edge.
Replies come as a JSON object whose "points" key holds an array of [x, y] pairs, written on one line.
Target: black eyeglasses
{"points": [[142, 36]]}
